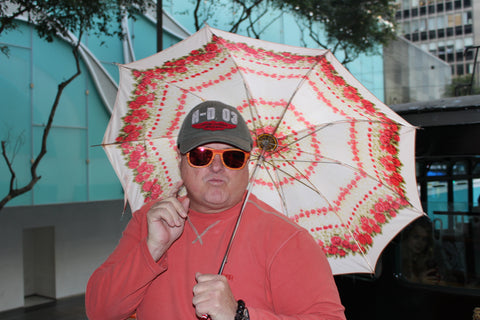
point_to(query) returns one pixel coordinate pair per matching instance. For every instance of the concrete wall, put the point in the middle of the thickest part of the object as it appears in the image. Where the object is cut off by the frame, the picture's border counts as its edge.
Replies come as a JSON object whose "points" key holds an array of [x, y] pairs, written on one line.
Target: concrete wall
{"points": [[82, 236], [411, 74]]}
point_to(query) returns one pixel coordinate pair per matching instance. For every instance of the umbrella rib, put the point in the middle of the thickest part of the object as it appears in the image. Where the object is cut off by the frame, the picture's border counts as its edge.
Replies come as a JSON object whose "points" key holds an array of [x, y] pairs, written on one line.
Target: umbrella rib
{"points": [[252, 108], [304, 78], [312, 187], [334, 161], [323, 126]]}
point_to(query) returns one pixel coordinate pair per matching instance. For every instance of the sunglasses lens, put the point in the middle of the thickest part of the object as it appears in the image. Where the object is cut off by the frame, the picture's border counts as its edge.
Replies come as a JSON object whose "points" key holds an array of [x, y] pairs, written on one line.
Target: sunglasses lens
{"points": [[234, 159], [200, 157]]}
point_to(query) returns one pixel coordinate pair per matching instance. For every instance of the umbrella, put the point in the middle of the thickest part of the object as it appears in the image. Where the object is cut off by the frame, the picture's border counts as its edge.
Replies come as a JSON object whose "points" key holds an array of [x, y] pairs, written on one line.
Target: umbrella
{"points": [[327, 153]]}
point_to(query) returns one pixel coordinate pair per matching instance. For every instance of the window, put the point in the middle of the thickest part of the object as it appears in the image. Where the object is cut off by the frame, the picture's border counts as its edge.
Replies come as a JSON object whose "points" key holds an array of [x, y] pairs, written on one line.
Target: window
{"points": [[441, 33], [458, 30], [423, 24], [467, 18], [439, 7], [467, 3], [406, 28], [449, 32], [431, 9], [441, 22], [432, 34], [458, 4], [468, 29], [459, 57], [441, 250], [414, 12], [448, 6]]}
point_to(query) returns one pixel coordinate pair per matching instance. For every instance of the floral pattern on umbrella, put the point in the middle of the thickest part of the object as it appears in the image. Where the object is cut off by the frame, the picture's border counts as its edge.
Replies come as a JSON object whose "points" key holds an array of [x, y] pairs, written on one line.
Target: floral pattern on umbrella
{"points": [[298, 136]]}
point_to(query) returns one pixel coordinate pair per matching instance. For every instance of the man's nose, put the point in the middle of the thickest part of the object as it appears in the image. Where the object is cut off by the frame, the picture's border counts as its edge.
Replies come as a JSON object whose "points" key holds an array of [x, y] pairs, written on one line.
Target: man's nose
{"points": [[217, 164]]}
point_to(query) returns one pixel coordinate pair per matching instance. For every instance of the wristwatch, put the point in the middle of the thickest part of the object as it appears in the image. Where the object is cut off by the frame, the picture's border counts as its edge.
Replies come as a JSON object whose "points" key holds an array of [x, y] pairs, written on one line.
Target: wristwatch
{"points": [[242, 311]]}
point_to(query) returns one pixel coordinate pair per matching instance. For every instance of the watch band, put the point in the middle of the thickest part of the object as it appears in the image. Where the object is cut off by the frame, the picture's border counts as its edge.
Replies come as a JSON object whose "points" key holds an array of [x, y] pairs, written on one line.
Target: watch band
{"points": [[242, 311]]}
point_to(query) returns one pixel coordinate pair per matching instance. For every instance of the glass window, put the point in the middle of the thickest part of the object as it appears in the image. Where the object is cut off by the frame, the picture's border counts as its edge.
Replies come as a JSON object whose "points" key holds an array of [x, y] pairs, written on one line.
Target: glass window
{"points": [[460, 68], [458, 4], [431, 9], [414, 12], [423, 36], [415, 25], [448, 6], [432, 25], [406, 28], [441, 22], [450, 20], [439, 7], [441, 33], [467, 3], [476, 193], [460, 195], [442, 249], [423, 24], [459, 44], [437, 168], [476, 169], [423, 11], [406, 4], [467, 17], [459, 168], [432, 34], [458, 30], [459, 57], [449, 32], [468, 29]]}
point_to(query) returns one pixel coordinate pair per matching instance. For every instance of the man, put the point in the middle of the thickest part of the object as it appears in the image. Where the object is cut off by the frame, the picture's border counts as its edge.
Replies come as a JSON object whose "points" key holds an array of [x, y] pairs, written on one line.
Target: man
{"points": [[164, 266]]}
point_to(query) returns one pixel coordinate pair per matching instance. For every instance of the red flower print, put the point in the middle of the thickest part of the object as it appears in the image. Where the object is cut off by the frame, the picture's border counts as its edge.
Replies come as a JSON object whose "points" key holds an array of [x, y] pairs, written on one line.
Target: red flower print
{"points": [[351, 93], [368, 106], [336, 241]]}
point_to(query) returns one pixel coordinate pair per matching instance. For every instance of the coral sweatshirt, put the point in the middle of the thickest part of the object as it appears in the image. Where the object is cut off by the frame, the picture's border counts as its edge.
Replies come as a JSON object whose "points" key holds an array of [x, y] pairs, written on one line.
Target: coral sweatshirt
{"points": [[274, 265]]}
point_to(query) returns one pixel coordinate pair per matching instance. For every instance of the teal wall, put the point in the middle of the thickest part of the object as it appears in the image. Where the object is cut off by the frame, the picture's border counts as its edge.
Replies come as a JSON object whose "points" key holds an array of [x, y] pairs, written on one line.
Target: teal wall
{"points": [[74, 169]]}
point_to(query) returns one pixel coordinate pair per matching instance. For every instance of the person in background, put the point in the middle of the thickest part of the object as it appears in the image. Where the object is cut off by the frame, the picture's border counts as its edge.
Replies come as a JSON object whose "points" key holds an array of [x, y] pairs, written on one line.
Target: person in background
{"points": [[419, 263], [166, 262]]}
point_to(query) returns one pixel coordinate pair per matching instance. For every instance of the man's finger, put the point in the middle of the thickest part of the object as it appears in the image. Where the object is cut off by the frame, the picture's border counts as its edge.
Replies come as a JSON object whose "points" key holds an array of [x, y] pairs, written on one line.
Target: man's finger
{"points": [[176, 188]]}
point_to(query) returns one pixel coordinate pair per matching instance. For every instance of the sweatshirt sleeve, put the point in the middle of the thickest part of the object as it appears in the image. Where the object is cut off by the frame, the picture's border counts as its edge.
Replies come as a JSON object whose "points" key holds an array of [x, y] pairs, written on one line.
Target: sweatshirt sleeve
{"points": [[301, 283], [117, 287]]}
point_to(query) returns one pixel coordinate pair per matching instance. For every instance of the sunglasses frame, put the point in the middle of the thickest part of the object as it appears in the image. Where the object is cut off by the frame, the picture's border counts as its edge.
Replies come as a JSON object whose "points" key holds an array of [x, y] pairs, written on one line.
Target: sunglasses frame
{"points": [[219, 152]]}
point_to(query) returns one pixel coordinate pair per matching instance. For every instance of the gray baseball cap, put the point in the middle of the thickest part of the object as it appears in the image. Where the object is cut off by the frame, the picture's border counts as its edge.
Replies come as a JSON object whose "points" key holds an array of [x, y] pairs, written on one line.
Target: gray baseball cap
{"points": [[213, 121]]}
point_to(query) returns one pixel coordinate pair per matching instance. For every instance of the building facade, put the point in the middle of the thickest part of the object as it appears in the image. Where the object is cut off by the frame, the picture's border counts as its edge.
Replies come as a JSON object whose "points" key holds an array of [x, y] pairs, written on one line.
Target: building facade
{"points": [[55, 235], [444, 28]]}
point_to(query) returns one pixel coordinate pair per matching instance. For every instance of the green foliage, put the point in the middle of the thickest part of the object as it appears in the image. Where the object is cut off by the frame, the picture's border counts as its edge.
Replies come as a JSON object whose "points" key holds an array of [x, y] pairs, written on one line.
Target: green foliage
{"points": [[58, 17], [355, 26], [460, 86]]}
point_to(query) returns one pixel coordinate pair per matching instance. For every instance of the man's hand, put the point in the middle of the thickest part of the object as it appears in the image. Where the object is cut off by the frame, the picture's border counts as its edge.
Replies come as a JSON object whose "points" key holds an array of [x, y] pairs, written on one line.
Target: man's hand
{"points": [[212, 295], [166, 220]]}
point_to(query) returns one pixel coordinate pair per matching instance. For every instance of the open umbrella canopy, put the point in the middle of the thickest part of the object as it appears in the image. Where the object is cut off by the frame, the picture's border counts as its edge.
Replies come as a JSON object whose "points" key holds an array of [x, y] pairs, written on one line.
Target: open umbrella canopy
{"points": [[327, 153]]}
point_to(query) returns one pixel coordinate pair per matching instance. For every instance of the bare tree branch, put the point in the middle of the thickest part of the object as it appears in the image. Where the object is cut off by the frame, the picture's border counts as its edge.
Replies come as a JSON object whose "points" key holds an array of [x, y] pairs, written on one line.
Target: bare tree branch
{"points": [[15, 192]]}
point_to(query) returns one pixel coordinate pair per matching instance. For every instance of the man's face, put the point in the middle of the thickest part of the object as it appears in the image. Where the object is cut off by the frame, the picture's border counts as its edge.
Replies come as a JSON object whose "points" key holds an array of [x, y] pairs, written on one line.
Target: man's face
{"points": [[214, 188]]}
